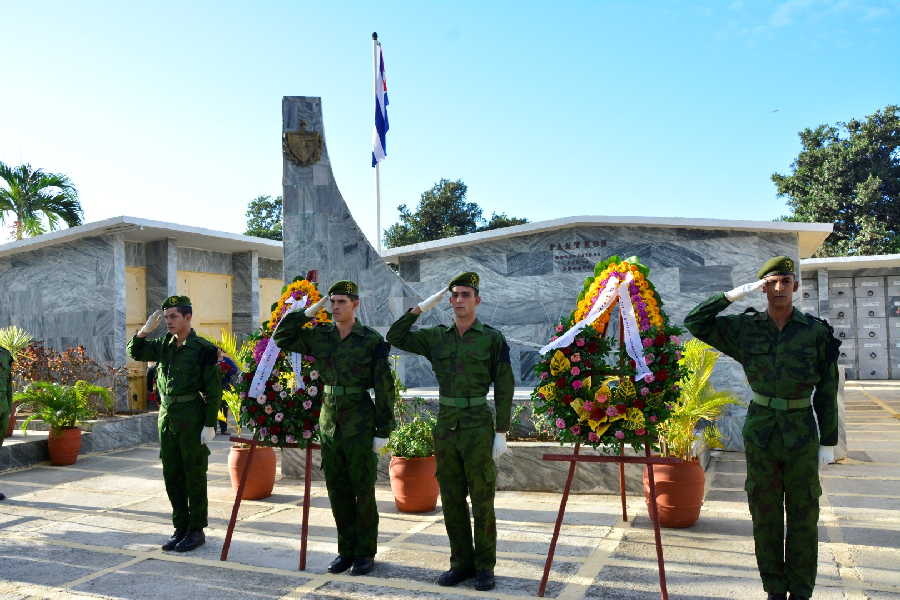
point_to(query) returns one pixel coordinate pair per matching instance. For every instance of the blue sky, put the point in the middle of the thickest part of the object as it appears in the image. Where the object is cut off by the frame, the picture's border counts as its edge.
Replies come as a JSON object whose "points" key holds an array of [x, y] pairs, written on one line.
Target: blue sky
{"points": [[172, 112]]}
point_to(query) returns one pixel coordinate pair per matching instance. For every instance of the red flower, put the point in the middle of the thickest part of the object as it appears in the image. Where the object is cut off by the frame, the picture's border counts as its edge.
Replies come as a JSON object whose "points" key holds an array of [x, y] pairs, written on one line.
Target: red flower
{"points": [[560, 383], [252, 408], [662, 375], [276, 429], [664, 360], [567, 398], [567, 351], [261, 419], [307, 424], [315, 413], [620, 408], [598, 411], [660, 339], [248, 376], [270, 395], [639, 404]]}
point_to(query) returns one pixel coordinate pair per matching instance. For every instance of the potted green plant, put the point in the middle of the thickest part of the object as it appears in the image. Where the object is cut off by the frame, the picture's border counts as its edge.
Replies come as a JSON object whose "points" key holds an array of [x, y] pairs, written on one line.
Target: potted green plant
{"points": [[413, 467], [62, 407], [689, 427]]}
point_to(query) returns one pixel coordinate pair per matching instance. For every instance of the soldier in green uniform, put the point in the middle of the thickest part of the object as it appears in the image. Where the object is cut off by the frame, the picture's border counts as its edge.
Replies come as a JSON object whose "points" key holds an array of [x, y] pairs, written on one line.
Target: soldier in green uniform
{"points": [[6, 390], [351, 359], [466, 357], [788, 357], [190, 388]]}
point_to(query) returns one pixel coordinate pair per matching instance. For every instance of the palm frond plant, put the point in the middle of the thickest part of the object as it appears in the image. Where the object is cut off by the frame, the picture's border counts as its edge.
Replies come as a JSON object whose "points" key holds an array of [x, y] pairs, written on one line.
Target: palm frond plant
{"points": [[698, 402], [233, 401], [37, 200], [62, 406], [14, 339]]}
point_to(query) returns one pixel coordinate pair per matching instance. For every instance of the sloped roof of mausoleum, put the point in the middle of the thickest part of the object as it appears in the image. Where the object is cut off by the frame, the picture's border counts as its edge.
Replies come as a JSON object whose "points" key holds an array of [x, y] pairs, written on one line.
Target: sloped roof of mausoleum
{"points": [[134, 229], [810, 235]]}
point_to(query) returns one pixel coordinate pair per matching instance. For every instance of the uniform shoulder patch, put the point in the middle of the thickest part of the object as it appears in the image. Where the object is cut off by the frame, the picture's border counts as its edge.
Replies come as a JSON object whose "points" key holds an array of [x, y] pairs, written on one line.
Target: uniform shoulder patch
{"points": [[834, 344]]}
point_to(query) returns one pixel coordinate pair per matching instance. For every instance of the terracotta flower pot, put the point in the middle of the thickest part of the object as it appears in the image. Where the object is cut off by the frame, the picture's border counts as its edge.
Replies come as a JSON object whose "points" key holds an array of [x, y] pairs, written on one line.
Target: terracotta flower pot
{"points": [[679, 493], [414, 483], [64, 445], [11, 424], [260, 479]]}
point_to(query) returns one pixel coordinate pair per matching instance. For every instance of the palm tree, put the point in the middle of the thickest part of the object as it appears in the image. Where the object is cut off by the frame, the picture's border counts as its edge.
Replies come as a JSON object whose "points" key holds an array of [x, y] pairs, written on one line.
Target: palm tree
{"points": [[32, 193]]}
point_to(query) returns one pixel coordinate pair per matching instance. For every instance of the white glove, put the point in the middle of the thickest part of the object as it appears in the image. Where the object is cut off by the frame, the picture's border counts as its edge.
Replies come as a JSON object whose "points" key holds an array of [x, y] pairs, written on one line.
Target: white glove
{"points": [[378, 444], [742, 290], [152, 322], [315, 308], [207, 435], [432, 301], [499, 448], [826, 455]]}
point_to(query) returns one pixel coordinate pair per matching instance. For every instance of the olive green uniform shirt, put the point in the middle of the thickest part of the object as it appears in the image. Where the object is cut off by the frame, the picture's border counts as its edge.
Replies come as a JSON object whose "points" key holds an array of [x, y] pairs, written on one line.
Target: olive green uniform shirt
{"points": [[6, 388], [183, 370], [465, 365], [360, 360], [798, 361]]}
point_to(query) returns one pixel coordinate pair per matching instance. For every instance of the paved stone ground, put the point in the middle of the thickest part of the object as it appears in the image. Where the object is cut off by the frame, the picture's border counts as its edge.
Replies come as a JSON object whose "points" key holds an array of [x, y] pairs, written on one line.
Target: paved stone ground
{"points": [[93, 531]]}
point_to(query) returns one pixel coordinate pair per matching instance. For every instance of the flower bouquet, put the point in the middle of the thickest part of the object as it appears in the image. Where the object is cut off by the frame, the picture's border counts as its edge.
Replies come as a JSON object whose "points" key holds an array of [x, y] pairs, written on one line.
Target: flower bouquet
{"points": [[589, 393], [287, 409]]}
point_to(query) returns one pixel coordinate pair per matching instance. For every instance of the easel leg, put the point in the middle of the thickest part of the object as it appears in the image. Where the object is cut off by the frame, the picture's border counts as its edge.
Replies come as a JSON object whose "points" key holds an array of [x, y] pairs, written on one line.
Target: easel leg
{"points": [[304, 527], [237, 503], [654, 516], [559, 520], [622, 485]]}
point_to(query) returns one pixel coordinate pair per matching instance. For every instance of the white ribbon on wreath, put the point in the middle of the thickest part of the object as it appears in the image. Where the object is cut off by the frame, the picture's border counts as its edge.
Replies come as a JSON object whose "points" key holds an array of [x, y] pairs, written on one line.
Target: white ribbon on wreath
{"points": [[603, 302], [630, 331], [270, 355]]}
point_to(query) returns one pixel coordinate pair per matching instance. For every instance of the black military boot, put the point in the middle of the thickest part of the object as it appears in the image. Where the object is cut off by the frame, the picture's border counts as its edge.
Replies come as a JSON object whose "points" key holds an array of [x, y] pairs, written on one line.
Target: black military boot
{"points": [[362, 565], [484, 580], [777, 597], [194, 539], [340, 564], [2, 496], [796, 597], [454, 576], [173, 541]]}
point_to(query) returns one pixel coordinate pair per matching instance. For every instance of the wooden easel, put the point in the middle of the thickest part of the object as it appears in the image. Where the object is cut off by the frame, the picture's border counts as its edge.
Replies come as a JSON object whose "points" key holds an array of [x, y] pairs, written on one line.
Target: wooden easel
{"points": [[304, 527], [575, 458]]}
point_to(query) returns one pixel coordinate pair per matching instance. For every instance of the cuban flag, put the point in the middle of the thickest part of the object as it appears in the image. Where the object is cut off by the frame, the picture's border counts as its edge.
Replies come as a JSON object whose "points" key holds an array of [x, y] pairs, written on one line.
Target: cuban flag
{"points": [[379, 150]]}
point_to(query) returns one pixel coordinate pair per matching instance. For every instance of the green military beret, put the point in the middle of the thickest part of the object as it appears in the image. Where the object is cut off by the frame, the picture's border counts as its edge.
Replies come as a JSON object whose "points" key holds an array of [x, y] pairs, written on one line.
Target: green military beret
{"points": [[468, 279], [780, 265], [173, 301], [345, 288]]}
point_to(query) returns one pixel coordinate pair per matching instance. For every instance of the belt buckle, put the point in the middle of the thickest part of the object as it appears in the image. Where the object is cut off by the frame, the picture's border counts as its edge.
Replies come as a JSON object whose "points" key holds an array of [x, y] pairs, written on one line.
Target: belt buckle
{"points": [[778, 403]]}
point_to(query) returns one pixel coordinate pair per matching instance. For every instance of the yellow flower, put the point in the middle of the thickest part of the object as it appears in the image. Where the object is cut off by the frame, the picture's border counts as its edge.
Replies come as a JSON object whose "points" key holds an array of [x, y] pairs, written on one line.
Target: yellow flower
{"points": [[559, 363], [549, 391]]}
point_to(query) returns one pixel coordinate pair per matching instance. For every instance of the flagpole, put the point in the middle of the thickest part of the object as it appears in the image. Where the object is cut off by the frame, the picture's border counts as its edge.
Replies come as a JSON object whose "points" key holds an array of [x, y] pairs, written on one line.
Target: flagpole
{"points": [[378, 163]]}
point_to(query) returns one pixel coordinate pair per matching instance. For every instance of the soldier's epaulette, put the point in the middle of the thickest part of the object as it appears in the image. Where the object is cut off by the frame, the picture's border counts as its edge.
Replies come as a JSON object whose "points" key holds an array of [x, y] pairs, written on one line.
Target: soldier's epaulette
{"points": [[834, 344], [209, 354]]}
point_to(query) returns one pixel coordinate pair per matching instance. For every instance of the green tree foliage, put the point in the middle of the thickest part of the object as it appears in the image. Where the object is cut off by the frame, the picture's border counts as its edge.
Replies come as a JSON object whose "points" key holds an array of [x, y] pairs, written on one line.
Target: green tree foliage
{"points": [[442, 212], [849, 174], [264, 217], [37, 200]]}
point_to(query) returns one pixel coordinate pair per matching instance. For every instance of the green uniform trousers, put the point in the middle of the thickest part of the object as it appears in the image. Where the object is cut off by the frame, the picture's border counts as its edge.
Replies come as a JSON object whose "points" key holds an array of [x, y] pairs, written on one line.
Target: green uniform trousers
{"points": [[465, 467], [4, 419], [783, 481], [349, 466], [184, 461]]}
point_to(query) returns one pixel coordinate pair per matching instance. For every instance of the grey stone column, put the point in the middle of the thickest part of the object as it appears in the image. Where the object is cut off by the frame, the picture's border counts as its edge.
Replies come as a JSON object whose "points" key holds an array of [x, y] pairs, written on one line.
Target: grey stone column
{"points": [[120, 336], [162, 271], [822, 275], [244, 292]]}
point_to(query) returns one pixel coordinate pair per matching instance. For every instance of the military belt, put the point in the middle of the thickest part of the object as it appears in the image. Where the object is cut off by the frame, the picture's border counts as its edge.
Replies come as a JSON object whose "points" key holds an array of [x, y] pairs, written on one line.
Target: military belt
{"points": [[342, 390], [167, 400], [780, 403], [463, 402]]}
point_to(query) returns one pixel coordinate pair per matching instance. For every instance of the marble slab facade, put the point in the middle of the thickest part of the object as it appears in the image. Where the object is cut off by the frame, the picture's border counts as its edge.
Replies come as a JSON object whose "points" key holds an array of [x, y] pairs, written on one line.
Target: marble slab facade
{"points": [[530, 281]]}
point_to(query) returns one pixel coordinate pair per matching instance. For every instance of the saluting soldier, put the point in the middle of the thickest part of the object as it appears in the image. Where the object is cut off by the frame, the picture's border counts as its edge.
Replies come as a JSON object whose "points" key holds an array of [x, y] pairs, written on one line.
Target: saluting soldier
{"points": [[190, 389], [790, 359], [6, 390], [466, 357], [351, 359]]}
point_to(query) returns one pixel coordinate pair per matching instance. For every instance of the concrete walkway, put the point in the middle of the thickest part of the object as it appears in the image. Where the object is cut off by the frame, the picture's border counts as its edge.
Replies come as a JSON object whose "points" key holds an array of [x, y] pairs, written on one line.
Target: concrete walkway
{"points": [[93, 531]]}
